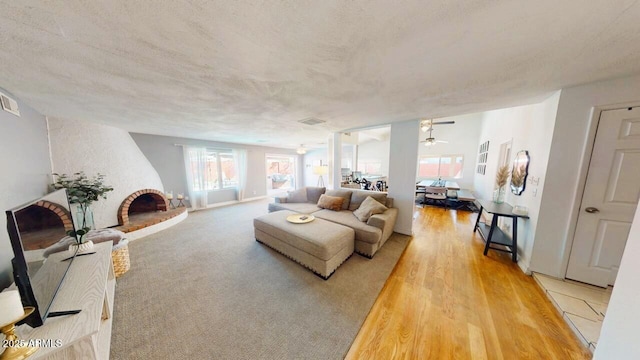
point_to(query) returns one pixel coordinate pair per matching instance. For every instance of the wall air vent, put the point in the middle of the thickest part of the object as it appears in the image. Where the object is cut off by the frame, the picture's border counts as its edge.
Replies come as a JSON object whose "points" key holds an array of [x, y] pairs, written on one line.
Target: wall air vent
{"points": [[311, 121], [10, 105]]}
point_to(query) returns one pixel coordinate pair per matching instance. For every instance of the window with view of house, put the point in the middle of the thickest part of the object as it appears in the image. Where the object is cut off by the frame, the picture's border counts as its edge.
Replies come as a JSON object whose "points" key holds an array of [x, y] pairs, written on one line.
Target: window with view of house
{"points": [[281, 172], [445, 166], [220, 171], [228, 170]]}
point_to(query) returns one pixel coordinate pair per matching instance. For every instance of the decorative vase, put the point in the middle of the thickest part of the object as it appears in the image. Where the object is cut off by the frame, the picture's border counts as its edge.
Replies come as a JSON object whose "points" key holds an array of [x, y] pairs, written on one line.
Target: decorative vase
{"points": [[76, 248], [84, 217], [498, 195]]}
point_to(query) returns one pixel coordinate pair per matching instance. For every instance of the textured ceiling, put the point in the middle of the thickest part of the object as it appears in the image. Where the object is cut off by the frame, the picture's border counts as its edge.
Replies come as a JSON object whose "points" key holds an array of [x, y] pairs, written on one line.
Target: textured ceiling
{"points": [[246, 71]]}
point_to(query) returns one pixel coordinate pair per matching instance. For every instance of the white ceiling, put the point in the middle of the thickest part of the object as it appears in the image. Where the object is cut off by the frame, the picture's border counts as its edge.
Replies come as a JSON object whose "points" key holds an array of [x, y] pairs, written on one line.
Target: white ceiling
{"points": [[246, 71]]}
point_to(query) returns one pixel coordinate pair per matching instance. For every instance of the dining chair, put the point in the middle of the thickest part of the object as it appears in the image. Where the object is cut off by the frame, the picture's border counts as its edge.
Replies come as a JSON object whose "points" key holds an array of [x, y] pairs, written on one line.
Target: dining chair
{"points": [[437, 195], [420, 191]]}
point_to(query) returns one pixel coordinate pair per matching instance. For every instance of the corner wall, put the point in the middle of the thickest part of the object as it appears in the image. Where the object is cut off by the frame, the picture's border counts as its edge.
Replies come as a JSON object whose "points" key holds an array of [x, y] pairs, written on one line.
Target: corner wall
{"points": [[26, 170], [568, 163], [530, 128], [94, 148], [403, 162], [619, 334]]}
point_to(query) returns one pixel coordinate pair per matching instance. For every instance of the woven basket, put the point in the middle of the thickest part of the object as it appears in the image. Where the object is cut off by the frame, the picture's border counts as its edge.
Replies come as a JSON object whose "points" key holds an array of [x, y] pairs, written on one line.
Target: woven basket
{"points": [[121, 263]]}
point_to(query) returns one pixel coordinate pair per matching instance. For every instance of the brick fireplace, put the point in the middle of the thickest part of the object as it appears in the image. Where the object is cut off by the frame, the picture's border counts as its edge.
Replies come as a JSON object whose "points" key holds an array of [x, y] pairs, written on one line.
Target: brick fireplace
{"points": [[43, 224], [142, 201]]}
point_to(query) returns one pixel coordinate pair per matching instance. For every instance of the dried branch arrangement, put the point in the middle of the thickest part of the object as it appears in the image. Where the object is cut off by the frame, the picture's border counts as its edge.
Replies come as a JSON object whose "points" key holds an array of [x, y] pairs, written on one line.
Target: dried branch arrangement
{"points": [[502, 176]]}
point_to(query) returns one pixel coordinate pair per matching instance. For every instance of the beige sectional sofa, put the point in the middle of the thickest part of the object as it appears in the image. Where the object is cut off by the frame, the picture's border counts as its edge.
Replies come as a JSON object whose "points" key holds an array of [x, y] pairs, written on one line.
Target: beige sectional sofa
{"points": [[369, 235]]}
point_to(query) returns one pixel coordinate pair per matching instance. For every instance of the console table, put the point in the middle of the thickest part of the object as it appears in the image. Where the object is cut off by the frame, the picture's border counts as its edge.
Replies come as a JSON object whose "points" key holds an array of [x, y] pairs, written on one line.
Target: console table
{"points": [[493, 234], [88, 286]]}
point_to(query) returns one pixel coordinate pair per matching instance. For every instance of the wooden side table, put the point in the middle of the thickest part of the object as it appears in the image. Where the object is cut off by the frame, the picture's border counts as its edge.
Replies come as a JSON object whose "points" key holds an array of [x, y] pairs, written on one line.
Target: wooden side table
{"points": [[493, 234]]}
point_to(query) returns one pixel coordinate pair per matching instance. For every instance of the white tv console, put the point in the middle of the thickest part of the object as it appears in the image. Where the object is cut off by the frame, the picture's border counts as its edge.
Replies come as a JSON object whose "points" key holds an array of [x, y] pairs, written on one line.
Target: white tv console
{"points": [[90, 286]]}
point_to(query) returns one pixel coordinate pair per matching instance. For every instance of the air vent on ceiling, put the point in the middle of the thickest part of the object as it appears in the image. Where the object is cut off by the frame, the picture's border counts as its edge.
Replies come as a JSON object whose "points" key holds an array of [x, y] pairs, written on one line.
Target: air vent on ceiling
{"points": [[311, 121], [10, 105]]}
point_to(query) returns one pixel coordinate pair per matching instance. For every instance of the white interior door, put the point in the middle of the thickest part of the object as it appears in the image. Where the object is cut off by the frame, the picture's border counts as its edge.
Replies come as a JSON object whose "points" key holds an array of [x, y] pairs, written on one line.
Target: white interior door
{"points": [[610, 198]]}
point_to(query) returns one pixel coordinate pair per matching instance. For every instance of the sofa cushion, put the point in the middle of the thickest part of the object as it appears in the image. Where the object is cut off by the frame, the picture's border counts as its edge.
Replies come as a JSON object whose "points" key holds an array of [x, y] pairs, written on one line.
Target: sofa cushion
{"points": [[346, 194], [330, 202], [301, 208], [369, 207], [364, 232], [358, 197], [314, 192], [297, 196]]}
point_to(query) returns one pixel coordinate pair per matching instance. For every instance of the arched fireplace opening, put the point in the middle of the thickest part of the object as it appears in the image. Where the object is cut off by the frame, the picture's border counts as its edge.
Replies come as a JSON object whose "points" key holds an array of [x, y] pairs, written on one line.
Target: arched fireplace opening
{"points": [[141, 201], [43, 224]]}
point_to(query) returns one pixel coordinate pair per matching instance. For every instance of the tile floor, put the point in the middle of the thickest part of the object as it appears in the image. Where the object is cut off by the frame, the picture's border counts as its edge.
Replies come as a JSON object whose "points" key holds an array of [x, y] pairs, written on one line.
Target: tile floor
{"points": [[582, 306]]}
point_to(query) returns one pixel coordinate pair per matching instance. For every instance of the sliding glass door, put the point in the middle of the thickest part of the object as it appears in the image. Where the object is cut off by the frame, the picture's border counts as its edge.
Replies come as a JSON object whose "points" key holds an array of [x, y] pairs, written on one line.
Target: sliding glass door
{"points": [[281, 173]]}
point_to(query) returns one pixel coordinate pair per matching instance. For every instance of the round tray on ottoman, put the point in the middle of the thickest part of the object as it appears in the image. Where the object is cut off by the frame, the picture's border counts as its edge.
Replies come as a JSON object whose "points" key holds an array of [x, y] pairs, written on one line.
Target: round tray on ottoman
{"points": [[300, 218]]}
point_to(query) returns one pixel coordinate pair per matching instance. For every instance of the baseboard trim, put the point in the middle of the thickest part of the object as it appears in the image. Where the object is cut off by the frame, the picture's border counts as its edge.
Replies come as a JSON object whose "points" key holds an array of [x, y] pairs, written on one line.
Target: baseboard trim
{"points": [[254, 198], [230, 202]]}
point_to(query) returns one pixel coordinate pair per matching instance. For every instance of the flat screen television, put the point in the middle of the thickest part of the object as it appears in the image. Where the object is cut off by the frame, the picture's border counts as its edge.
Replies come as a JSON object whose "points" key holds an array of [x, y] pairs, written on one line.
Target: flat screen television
{"points": [[34, 229]]}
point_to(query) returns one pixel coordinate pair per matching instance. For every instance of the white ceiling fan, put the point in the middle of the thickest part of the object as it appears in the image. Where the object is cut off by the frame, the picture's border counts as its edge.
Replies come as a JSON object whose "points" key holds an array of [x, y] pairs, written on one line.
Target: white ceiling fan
{"points": [[427, 124], [430, 141]]}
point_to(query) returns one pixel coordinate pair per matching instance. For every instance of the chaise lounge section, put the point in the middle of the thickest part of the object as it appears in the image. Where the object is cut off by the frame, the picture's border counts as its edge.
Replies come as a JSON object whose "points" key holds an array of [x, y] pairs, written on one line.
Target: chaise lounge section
{"points": [[370, 235], [320, 245]]}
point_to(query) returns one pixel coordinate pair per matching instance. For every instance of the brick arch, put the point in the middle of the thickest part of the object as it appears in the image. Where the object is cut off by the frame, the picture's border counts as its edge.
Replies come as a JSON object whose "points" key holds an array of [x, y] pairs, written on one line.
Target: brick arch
{"points": [[60, 211], [162, 204]]}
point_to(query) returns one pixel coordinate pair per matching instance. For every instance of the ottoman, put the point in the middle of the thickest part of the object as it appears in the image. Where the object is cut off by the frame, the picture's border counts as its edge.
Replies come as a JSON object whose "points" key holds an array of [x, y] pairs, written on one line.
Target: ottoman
{"points": [[319, 245]]}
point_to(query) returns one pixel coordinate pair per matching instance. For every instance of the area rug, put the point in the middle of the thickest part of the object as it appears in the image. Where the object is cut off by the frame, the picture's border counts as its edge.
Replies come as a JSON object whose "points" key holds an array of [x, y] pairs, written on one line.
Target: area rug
{"points": [[205, 289]]}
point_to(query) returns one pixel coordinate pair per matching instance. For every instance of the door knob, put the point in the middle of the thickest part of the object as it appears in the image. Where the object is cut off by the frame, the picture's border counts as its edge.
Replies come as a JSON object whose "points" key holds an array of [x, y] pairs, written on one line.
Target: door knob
{"points": [[591, 210]]}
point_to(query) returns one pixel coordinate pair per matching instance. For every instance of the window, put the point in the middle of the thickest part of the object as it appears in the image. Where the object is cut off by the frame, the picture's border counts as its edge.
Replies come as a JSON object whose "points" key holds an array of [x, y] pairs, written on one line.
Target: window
{"points": [[228, 170], [212, 181], [219, 170], [446, 166]]}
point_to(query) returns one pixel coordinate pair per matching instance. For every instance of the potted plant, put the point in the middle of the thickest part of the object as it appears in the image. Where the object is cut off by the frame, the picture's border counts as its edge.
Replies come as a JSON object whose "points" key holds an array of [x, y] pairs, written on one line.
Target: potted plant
{"points": [[82, 191], [80, 245]]}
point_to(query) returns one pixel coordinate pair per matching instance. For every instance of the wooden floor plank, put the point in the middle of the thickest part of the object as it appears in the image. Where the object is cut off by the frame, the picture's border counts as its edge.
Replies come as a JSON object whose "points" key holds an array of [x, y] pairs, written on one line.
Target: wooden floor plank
{"points": [[445, 300]]}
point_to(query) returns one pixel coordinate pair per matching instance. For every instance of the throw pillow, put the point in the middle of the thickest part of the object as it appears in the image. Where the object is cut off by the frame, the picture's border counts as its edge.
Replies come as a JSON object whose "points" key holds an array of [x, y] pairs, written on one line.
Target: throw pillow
{"points": [[313, 193], [369, 207], [297, 196], [345, 194], [330, 202], [359, 195]]}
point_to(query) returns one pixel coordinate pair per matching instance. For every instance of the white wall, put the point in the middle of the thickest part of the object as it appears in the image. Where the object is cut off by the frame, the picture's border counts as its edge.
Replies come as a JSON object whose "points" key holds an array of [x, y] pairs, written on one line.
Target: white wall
{"points": [[619, 335], [309, 159], [375, 151], [530, 128], [26, 170], [570, 147], [463, 138], [94, 148], [402, 172]]}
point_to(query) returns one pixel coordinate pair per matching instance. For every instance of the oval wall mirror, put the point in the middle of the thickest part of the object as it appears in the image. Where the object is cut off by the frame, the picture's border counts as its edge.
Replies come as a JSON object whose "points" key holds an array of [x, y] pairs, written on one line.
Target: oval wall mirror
{"points": [[519, 172]]}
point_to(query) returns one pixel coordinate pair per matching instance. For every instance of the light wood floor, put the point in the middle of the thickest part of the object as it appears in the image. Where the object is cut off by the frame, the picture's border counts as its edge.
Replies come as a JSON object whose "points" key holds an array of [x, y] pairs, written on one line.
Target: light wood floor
{"points": [[445, 300]]}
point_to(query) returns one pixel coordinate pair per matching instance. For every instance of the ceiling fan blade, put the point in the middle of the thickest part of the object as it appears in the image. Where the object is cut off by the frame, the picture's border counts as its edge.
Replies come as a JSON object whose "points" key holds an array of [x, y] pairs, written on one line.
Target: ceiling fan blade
{"points": [[442, 122], [442, 141]]}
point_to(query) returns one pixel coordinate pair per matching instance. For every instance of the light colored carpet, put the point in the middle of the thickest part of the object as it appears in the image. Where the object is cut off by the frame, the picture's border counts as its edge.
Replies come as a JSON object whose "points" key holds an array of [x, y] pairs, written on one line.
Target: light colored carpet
{"points": [[205, 289]]}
